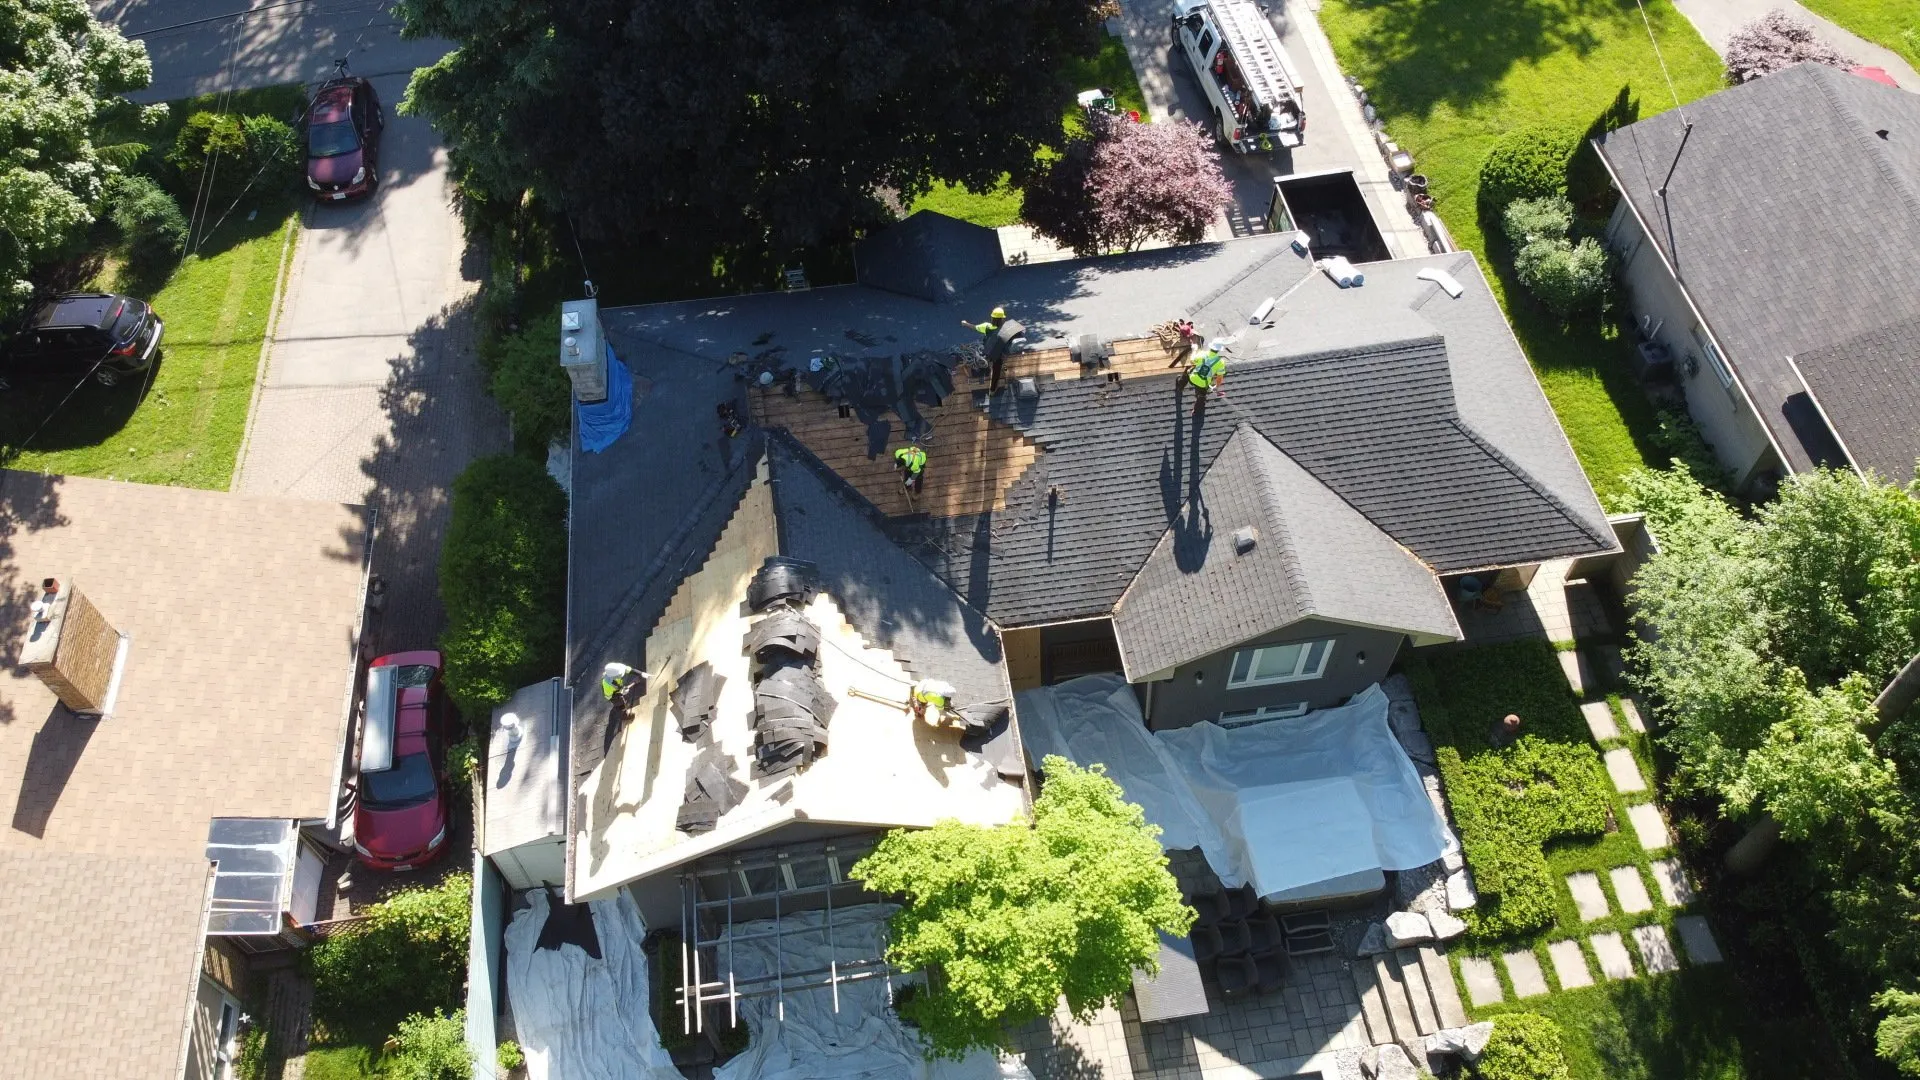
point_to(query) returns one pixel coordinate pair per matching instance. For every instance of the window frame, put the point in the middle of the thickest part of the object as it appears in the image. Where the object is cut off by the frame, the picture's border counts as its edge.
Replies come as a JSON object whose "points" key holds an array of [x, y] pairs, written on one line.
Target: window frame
{"points": [[1301, 672], [1292, 710], [1721, 369]]}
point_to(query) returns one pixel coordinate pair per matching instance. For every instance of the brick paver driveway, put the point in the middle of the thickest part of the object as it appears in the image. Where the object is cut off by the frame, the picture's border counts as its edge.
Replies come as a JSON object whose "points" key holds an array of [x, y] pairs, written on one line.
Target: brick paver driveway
{"points": [[372, 393]]}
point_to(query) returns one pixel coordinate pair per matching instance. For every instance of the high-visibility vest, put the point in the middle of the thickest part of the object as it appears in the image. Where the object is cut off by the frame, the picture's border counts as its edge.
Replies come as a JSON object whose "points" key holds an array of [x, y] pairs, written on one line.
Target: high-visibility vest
{"points": [[613, 678], [989, 326], [1209, 371], [914, 458]]}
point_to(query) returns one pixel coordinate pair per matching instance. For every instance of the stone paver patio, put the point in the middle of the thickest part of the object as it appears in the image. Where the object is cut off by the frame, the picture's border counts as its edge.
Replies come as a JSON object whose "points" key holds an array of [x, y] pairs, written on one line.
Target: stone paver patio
{"points": [[1656, 952], [1624, 771], [1675, 888], [1483, 982], [1630, 889], [1612, 954], [1523, 969], [1600, 722], [1649, 826], [1570, 965], [1697, 938], [1632, 712], [1588, 897]]}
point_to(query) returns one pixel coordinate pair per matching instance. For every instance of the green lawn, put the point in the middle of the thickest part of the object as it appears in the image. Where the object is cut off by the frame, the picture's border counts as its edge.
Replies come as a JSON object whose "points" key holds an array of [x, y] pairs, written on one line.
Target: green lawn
{"points": [[1108, 69], [1450, 76], [1893, 23], [185, 429]]}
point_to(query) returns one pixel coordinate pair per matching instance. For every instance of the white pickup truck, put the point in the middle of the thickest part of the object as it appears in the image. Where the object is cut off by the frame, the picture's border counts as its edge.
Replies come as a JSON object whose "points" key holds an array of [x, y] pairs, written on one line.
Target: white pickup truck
{"points": [[1250, 82]]}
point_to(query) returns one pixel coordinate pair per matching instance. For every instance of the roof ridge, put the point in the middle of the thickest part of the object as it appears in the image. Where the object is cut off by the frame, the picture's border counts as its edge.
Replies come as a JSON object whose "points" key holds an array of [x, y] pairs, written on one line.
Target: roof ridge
{"points": [[1268, 488], [1246, 272], [1855, 127], [1527, 478]]}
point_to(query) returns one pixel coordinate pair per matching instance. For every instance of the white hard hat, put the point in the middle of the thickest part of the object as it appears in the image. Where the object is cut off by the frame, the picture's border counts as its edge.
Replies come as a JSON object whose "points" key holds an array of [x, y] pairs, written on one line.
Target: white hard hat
{"points": [[1217, 344]]}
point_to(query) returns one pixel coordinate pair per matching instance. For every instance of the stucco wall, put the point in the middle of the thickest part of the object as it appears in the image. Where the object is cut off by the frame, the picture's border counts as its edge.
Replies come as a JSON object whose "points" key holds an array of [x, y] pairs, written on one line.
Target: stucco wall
{"points": [[1198, 691]]}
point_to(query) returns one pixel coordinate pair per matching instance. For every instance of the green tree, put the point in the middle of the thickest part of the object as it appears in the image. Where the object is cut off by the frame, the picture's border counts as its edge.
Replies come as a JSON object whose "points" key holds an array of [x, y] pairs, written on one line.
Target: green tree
{"points": [[503, 580], [527, 382], [1007, 920], [1121, 184], [741, 123], [430, 1046], [1898, 1036], [61, 74], [410, 953]]}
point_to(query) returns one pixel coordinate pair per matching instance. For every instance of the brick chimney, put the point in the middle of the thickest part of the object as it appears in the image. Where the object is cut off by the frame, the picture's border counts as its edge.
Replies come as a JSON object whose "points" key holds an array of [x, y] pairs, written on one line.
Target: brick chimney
{"points": [[71, 647]]}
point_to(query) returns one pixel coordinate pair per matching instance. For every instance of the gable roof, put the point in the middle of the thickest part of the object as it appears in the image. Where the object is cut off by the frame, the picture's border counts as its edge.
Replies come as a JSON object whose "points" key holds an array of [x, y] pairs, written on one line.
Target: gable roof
{"points": [[1312, 555], [1790, 220], [1868, 388], [929, 255]]}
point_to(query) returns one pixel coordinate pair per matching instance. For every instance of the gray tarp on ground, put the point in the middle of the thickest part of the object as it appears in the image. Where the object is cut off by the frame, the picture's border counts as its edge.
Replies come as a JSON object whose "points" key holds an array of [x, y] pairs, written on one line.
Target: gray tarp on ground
{"points": [[1282, 804], [579, 1018]]}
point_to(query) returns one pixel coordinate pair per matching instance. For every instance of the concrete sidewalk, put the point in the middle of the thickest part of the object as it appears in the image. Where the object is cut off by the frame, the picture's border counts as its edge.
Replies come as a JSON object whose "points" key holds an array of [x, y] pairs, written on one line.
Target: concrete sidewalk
{"points": [[1718, 19]]}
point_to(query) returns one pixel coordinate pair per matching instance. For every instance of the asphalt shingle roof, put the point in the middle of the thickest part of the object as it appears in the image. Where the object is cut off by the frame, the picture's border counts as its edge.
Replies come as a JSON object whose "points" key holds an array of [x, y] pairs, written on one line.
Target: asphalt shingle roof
{"points": [[1312, 555], [929, 255], [1791, 220], [1869, 389]]}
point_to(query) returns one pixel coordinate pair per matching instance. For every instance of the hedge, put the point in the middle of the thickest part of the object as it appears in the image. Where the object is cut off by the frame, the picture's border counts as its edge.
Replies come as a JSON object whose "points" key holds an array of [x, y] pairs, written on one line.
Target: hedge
{"points": [[503, 576], [1524, 1046], [1527, 163], [528, 383], [409, 955]]}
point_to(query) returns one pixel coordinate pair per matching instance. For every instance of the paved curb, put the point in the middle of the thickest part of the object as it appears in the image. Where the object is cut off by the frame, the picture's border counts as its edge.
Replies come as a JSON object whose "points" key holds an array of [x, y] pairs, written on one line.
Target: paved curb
{"points": [[280, 275]]}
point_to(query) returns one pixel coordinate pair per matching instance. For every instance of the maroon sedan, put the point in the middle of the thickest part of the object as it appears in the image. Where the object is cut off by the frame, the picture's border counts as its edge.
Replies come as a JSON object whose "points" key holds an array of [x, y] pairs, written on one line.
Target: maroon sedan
{"points": [[400, 810], [344, 123]]}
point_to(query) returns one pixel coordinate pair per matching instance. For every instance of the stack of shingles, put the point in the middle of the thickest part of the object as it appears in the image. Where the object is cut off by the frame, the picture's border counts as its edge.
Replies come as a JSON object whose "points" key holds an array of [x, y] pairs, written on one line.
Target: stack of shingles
{"points": [[712, 788], [791, 707]]}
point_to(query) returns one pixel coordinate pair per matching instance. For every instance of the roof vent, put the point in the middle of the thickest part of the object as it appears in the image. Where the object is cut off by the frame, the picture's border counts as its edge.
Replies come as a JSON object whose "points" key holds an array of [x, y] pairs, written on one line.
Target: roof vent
{"points": [[1027, 387], [1244, 538]]}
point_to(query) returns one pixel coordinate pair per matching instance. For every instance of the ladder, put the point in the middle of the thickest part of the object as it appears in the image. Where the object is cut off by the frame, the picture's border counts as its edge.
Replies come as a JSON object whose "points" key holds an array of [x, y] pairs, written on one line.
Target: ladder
{"points": [[1256, 48]]}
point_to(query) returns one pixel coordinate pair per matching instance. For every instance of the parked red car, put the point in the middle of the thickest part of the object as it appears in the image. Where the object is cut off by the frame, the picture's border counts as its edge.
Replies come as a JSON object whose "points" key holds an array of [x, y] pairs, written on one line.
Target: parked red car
{"points": [[400, 808], [344, 123]]}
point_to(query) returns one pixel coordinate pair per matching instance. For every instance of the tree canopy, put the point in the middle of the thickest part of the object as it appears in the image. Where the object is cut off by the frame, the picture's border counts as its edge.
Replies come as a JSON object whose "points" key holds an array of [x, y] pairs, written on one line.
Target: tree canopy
{"points": [[61, 72], [1007, 920], [742, 122], [1121, 184]]}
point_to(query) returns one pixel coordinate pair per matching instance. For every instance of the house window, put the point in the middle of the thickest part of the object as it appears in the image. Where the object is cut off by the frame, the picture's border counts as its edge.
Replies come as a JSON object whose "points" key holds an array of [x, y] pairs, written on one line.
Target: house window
{"points": [[1243, 717], [1269, 664], [1714, 358]]}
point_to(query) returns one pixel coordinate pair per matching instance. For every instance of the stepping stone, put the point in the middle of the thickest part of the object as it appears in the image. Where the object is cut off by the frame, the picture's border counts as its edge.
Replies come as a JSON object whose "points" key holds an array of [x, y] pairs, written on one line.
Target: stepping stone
{"points": [[1631, 710], [1697, 938], [1524, 969], [1630, 889], [1656, 952], [1570, 965], [1624, 771], [1414, 978], [1399, 1012], [1373, 1006], [1587, 895], [1675, 889], [1599, 717], [1612, 954], [1483, 982], [1649, 826], [1579, 673]]}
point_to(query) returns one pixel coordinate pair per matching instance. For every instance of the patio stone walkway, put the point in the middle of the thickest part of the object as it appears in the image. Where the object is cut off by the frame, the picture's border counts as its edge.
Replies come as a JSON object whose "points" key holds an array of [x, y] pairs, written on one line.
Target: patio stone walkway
{"points": [[1551, 607], [1675, 888], [1483, 982], [1570, 965], [1697, 938], [1624, 771], [1523, 970], [1600, 722], [1649, 826], [1612, 954], [1630, 889], [1656, 952], [1631, 710], [1588, 897]]}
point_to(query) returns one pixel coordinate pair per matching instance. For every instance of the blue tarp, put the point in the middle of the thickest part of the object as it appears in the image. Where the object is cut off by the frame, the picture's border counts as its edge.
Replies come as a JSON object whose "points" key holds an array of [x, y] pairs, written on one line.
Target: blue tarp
{"points": [[603, 422]]}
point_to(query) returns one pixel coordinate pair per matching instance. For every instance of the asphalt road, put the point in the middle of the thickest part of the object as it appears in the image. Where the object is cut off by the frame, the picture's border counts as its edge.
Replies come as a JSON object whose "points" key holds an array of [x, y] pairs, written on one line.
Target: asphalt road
{"points": [[200, 46]]}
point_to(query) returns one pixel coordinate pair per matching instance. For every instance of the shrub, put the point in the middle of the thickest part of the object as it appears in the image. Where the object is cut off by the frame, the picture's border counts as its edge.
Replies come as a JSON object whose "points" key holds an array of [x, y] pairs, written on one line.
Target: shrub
{"points": [[430, 1047], [503, 570], [1528, 163], [509, 1055], [528, 383], [203, 137], [274, 151], [410, 953], [1528, 220], [1524, 1046], [1679, 440], [463, 760], [149, 219], [1773, 42], [257, 150], [1568, 279]]}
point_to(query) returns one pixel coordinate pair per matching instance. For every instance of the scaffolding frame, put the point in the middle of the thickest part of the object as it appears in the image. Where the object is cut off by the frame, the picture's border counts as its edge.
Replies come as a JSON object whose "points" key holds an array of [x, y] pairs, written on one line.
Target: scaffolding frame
{"points": [[700, 987]]}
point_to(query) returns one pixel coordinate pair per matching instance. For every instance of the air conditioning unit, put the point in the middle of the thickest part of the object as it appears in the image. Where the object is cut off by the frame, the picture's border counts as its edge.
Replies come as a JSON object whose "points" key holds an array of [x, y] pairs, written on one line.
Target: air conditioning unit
{"points": [[583, 350]]}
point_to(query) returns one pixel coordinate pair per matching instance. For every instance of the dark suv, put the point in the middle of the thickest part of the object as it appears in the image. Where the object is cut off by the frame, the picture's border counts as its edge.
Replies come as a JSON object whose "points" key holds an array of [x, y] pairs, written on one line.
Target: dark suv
{"points": [[344, 122], [77, 334]]}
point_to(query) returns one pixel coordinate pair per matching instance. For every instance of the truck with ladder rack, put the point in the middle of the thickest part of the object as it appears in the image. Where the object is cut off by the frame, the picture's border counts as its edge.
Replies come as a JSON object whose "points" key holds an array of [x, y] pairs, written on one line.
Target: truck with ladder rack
{"points": [[1250, 83]]}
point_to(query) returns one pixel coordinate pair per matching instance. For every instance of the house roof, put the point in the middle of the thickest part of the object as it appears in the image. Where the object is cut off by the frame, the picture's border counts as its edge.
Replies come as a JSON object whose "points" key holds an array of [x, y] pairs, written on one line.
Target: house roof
{"points": [[1791, 220], [1308, 554], [928, 255], [1868, 388], [96, 934], [526, 794]]}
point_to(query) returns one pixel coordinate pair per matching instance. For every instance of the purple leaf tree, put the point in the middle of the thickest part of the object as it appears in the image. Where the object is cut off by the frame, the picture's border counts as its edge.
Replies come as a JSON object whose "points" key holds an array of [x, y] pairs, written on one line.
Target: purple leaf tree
{"points": [[1124, 183], [1775, 41]]}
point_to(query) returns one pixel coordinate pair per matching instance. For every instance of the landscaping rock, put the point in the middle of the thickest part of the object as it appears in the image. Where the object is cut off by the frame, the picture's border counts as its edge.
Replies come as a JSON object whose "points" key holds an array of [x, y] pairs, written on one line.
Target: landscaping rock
{"points": [[1389, 1062], [1373, 942], [1454, 859], [1445, 926], [1460, 895], [1408, 928], [1397, 688], [1466, 1042], [1417, 746], [1404, 717]]}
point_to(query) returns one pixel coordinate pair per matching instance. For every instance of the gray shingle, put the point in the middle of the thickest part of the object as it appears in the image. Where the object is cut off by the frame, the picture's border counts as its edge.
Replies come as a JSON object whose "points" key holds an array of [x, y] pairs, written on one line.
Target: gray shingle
{"points": [[1869, 390], [929, 255], [1312, 555], [1792, 223]]}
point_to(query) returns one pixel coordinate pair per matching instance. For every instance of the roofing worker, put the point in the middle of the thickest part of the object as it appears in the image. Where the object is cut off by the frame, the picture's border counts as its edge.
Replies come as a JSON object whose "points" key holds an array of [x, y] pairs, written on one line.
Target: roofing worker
{"points": [[912, 462], [623, 682], [993, 321], [1209, 369], [934, 694]]}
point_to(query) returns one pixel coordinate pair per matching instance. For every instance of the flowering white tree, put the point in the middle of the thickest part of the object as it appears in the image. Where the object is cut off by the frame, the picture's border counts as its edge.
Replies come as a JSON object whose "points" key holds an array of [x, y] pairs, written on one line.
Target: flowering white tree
{"points": [[1774, 41], [1124, 183]]}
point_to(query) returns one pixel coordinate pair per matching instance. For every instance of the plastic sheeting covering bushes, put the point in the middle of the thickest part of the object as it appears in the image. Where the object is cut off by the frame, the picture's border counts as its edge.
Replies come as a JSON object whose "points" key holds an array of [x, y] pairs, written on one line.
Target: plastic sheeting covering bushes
{"points": [[863, 1040], [578, 1018], [605, 421], [1281, 804]]}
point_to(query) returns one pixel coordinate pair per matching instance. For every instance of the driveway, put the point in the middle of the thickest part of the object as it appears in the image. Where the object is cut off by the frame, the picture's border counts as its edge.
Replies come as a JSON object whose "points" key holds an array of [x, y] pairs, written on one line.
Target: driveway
{"points": [[197, 46], [1718, 19], [371, 392], [1337, 136]]}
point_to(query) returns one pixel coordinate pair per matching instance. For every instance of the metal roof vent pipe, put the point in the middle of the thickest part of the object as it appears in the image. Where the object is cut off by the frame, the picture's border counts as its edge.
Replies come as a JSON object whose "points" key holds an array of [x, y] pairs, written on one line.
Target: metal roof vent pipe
{"points": [[1244, 539]]}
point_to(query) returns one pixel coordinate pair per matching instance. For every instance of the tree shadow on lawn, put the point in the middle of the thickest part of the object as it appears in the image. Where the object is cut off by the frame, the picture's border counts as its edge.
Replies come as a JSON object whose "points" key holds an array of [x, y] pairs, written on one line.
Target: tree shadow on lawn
{"points": [[1425, 53]]}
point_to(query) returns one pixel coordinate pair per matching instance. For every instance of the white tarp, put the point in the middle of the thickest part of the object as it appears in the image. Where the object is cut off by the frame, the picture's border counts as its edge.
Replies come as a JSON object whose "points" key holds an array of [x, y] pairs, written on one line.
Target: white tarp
{"points": [[579, 1018], [1281, 804], [863, 1040]]}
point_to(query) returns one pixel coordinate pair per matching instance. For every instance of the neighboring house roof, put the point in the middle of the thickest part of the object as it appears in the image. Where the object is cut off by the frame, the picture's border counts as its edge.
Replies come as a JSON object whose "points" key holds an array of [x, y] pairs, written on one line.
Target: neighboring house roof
{"points": [[929, 255], [115, 936], [244, 615], [1308, 554], [1868, 388], [1791, 219], [526, 796]]}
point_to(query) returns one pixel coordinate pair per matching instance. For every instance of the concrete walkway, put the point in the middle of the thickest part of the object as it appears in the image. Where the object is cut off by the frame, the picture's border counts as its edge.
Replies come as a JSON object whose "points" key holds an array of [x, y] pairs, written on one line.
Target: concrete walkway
{"points": [[1718, 19]]}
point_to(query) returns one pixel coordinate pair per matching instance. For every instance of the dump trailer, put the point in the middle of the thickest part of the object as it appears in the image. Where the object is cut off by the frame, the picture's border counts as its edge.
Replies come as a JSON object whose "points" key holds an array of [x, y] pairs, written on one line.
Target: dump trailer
{"points": [[1249, 81]]}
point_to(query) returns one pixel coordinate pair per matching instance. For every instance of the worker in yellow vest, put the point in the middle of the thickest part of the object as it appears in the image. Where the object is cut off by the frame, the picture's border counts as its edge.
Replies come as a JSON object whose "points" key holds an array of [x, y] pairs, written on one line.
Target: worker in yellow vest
{"points": [[992, 324], [1209, 369], [931, 694], [912, 462]]}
